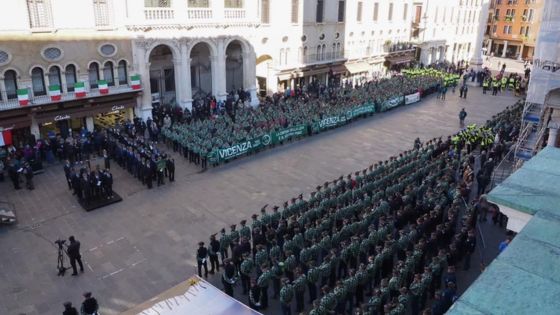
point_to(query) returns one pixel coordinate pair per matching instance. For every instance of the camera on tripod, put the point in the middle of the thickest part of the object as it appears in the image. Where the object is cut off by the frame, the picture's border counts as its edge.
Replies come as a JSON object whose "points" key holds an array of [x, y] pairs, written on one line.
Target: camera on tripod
{"points": [[60, 243], [60, 260]]}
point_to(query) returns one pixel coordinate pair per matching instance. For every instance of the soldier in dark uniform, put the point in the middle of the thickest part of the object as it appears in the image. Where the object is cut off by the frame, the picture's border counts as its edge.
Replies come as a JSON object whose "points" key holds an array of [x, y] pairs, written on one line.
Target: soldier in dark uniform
{"points": [[201, 259], [213, 251], [254, 296], [170, 167], [68, 173], [228, 277], [107, 183]]}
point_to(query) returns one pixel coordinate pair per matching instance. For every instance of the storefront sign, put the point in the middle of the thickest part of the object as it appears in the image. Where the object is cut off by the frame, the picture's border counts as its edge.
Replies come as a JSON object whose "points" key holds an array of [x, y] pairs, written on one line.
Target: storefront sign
{"points": [[117, 107], [61, 117], [412, 98]]}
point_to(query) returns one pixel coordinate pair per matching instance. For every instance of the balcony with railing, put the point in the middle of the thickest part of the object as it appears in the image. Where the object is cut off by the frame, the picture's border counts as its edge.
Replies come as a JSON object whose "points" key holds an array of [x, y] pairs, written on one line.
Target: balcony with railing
{"points": [[199, 14], [65, 97], [234, 14], [159, 14]]}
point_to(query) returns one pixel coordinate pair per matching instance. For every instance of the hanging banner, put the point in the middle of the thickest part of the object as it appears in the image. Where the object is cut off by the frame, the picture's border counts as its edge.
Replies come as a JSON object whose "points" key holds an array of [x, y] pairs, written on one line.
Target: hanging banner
{"points": [[135, 82], [364, 109], [219, 155], [79, 89], [54, 93], [103, 86], [412, 98], [23, 96], [392, 102], [287, 133]]}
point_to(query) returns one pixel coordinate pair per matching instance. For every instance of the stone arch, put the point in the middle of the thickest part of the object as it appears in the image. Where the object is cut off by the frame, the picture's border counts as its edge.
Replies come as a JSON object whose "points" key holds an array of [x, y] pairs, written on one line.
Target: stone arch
{"points": [[161, 62], [210, 43], [171, 45], [203, 64], [264, 74], [75, 64], [16, 70], [235, 60], [37, 66], [92, 61]]}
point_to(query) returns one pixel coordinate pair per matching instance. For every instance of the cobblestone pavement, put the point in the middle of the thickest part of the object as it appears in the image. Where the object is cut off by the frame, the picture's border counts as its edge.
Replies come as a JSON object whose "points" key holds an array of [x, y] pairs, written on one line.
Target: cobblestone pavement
{"points": [[146, 244]]}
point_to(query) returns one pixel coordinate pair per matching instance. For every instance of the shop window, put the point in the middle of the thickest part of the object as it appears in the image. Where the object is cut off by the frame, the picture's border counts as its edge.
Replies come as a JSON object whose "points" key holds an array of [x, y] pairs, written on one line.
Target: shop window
{"points": [[54, 77], [122, 73], [108, 74], [93, 75], [38, 82], [10, 82], [70, 74]]}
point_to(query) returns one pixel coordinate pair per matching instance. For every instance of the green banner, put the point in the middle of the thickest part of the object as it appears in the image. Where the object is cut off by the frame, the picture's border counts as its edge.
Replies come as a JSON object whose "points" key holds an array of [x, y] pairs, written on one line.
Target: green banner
{"points": [[392, 102], [287, 133], [364, 109], [331, 122], [239, 149]]}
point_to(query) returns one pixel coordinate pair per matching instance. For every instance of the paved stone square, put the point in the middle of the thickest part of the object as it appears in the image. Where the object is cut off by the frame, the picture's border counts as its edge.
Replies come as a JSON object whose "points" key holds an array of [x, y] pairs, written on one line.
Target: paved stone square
{"points": [[146, 244]]}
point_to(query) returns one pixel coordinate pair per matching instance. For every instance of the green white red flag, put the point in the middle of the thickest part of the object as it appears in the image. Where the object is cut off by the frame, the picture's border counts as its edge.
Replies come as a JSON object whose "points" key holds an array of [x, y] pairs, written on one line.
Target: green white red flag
{"points": [[54, 93], [23, 96], [79, 89], [103, 87], [135, 82]]}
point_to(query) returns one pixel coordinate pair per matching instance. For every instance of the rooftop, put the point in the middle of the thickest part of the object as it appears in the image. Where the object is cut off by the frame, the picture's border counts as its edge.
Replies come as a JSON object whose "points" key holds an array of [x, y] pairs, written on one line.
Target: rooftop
{"points": [[525, 278]]}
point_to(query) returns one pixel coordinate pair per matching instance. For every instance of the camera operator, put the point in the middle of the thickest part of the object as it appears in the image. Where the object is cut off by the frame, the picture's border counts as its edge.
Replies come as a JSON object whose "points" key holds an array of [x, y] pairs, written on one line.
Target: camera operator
{"points": [[74, 255]]}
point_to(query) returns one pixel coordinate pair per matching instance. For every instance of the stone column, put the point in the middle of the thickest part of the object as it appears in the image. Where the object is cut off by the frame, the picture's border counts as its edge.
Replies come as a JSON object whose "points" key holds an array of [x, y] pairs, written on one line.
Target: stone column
{"points": [[552, 134], [116, 74], [63, 87], [250, 76], [89, 123], [178, 73], [219, 72], [489, 47], [142, 67], [505, 48], [476, 60], [3, 93], [186, 95], [520, 57], [35, 128]]}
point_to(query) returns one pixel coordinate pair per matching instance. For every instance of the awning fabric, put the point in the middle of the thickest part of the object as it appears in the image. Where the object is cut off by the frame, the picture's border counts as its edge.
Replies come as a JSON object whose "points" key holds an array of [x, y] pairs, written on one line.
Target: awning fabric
{"points": [[358, 67]]}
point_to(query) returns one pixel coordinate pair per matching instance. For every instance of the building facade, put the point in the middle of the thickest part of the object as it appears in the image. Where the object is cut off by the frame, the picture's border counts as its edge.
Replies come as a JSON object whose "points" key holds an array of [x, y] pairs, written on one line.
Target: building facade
{"points": [[446, 29], [513, 26], [124, 57]]}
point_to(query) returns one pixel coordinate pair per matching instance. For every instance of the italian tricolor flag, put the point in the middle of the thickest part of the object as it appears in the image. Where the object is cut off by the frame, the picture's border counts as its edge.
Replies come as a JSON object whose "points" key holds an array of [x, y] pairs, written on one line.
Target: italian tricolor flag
{"points": [[103, 87], [135, 82], [54, 92], [5, 137], [23, 96], [79, 89]]}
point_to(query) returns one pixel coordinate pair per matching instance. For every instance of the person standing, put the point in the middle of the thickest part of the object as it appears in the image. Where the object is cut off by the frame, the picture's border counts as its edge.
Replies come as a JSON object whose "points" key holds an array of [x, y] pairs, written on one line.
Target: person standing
{"points": [[170, 166], [74, 255], [470, 246], [286, 296], [254, 296], [462, 116], [28, 172], [465, 90], [213, 251], [69, 309], [106, 160], [228, 276], [201, 258], [68, 173], [14, 175], [89, 305]]}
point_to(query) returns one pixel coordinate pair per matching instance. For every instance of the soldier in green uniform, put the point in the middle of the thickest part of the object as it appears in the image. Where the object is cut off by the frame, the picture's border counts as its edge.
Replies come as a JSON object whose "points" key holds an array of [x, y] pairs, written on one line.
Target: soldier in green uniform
{"points": [[286, 296], [299, 287], [224, 244], [246, 270]]}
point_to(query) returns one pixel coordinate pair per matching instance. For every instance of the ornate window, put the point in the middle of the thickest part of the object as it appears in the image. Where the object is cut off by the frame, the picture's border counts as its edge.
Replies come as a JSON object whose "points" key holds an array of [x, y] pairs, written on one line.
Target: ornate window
{"points": [[4, 57], [54, 77], [52, 54], [108, 74], [38, 82], [10, 82], [157, 3], [101, 12], [199, 3], [122, 73], [70, 74], [233, 4], [107, 50], [93, 74], [39, 13]]}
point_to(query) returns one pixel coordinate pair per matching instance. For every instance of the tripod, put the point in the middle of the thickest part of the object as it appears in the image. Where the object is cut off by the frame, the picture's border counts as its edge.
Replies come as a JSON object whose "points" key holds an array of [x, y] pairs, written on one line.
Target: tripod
{"points": [[60, 262]]}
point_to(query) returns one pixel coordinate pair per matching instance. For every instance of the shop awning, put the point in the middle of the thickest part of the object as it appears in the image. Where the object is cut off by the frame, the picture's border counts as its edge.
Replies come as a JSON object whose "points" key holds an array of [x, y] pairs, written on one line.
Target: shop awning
{"points": [[15, 122], [357, 67], [338, 69]]}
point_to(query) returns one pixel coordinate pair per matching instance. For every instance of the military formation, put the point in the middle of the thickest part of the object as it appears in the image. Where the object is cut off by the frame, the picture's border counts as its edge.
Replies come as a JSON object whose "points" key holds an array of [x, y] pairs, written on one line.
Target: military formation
{"points": [[384, 240], [501, 83], [198, 137], [141, 158]]}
